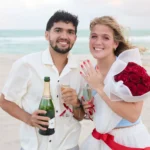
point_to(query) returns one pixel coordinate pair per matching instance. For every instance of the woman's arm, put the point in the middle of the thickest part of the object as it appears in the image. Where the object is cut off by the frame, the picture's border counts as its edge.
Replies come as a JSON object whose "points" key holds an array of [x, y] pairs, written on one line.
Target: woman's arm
{"points": [[129, 111]]}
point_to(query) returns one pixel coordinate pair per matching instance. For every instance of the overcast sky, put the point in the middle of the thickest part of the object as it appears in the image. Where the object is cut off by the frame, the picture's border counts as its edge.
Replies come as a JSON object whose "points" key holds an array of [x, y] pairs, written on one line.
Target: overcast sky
{"points": [[34, 14]]}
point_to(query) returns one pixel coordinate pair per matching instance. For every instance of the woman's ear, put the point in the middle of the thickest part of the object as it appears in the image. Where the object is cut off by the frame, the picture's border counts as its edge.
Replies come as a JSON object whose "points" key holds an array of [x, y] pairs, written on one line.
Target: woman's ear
{"points": [[116, 45]]}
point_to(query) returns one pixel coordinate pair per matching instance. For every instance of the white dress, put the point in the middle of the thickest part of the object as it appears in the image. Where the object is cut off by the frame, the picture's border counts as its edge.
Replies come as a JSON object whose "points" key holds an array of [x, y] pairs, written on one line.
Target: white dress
{"points": [[106, 120]]}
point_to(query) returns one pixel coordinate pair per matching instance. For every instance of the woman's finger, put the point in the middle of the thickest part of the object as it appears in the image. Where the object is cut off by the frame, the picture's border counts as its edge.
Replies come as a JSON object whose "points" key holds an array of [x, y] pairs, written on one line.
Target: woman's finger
{"points": [[87, 67], [97, 70], [90, 66], [84, 70], [83, 75], [87, 106]]}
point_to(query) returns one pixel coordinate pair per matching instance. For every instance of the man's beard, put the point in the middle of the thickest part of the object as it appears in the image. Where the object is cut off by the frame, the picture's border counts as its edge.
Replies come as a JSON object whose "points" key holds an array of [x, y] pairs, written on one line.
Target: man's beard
{"points": [[58, 50]]}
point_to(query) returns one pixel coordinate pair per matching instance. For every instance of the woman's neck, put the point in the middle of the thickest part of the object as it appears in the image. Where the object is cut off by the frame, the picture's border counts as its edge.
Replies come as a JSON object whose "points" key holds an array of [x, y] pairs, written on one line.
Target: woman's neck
{"points": [[105, 64]]}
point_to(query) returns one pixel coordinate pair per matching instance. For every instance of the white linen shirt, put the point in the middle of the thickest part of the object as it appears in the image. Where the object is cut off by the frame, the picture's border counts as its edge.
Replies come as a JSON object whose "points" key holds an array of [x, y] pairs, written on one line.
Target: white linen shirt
{"points": [[25, 86]]}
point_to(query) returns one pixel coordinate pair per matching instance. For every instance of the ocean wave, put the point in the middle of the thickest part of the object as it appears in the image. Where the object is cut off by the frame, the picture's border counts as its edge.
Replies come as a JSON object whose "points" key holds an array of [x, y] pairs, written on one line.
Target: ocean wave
{"points": [[131, 38], [21, 39], [79, 39]]}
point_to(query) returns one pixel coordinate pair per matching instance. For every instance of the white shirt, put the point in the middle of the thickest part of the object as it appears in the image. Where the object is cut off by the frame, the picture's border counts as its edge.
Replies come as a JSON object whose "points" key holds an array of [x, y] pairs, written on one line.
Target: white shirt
{"points": [[25, 85]]}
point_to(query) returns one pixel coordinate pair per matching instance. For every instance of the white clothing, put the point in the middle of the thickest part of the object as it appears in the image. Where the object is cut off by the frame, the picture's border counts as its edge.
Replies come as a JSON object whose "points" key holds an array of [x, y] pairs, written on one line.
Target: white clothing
{"points": [[25, 85], [135, 136], [106, 120], [119, 89]]}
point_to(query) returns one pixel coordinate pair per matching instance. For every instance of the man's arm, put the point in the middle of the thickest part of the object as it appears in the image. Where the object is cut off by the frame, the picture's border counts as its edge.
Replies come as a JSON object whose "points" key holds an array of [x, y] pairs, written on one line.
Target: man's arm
{"points": [[78, 111], [14, 110]]}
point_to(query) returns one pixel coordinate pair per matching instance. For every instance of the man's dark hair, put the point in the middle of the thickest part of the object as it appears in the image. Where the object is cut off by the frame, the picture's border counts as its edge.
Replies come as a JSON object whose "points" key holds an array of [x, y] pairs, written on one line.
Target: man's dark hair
{"points": [[64, 17]]}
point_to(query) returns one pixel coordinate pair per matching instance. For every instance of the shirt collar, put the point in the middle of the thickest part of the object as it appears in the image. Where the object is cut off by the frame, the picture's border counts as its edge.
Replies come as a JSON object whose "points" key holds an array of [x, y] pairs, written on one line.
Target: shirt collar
{"points": [[47, 59]]}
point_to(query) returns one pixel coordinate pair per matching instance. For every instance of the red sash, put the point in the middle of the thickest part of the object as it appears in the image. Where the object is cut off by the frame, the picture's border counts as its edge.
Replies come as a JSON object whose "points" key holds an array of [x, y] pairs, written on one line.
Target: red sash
{"points": [[109, 140], [67, 108]]}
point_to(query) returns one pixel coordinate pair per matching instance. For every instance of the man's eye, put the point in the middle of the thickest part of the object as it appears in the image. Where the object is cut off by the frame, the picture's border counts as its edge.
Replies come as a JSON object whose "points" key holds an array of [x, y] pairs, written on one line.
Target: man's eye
{"points": [[71, 32], [93, 36], [57, 30]]}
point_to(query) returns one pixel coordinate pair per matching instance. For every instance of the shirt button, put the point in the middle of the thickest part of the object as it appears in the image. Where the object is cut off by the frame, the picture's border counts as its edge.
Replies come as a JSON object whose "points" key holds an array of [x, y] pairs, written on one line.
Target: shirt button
{"points": [[50, 140], [56, 111], [57, 96], [58, 81]]}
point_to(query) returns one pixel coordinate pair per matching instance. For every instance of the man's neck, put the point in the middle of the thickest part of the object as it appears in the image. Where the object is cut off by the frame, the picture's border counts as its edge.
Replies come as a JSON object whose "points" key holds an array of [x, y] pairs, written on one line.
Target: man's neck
{"points": [[59, 60]]}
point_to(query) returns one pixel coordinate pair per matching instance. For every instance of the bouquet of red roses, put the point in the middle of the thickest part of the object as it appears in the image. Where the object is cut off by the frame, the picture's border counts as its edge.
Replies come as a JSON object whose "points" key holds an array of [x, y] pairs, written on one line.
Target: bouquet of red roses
{"points": [[135, 78]]}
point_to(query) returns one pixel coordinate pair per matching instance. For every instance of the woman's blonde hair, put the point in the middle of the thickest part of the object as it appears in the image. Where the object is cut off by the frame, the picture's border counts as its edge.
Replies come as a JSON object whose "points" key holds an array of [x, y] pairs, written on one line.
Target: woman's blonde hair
{"points": [[123, 44]]}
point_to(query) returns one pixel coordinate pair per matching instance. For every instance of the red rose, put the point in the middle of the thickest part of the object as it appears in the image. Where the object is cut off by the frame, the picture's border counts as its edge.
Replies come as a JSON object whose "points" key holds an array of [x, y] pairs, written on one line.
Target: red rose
{"points": [[135, 78], [142, 89], [135, 68], [122, 77], [146, 81], [132, 87]]}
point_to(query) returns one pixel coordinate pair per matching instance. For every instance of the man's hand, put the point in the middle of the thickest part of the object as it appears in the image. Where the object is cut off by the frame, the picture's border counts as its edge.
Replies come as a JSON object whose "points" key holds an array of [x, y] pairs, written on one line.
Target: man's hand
{"points": [[69, 96], [38, 121]]}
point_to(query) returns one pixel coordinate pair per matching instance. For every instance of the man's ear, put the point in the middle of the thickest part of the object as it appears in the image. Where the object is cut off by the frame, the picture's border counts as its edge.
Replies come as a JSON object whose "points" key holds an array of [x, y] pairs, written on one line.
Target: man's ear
{"points": [[75, 37], [47, 35]]}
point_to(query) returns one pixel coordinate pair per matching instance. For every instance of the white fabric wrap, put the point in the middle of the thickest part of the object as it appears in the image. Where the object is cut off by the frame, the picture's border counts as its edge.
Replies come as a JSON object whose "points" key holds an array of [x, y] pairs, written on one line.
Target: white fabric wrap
{"points": [[117, 90]]}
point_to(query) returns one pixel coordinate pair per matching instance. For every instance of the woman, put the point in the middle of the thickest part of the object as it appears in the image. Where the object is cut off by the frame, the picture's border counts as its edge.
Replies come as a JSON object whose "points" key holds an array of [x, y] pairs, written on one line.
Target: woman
{"points": [[120, 85]]}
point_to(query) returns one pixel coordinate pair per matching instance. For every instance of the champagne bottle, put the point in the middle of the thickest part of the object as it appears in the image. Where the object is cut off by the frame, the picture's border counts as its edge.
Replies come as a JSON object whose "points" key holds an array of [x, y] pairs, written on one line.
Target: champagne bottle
{"points": [[47, 105]]}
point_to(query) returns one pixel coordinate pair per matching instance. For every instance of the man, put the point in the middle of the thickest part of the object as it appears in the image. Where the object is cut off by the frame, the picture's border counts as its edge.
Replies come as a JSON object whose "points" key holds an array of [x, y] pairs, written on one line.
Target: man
{"points": [[25, 86]]}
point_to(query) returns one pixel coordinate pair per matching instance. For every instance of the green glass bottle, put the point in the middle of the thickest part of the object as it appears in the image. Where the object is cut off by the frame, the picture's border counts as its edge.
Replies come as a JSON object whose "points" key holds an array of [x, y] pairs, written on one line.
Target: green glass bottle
{"points": [[47, 105]]}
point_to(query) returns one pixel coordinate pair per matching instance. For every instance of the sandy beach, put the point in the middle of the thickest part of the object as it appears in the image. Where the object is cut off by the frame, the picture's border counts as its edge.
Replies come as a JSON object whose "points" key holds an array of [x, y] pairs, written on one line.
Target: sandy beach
{"points": [[9, 126]]}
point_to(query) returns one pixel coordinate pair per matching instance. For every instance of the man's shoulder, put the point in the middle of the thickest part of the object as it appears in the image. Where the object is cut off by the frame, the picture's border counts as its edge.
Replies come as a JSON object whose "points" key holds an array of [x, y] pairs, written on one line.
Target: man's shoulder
{"points": [[28, 59], [33, 56]]}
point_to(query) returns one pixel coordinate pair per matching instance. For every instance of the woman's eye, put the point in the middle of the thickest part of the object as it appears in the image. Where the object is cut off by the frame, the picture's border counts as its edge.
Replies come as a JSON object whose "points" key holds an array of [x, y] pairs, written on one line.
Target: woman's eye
{"points": [[106, 38]]}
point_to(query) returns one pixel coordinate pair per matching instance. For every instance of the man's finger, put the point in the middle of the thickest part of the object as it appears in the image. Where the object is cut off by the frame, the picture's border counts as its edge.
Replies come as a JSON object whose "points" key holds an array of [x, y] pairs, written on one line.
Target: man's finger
{"points": [[67, 90], [40, 127], [67, 95], [42, 118], [43, 123], [40, 112]]}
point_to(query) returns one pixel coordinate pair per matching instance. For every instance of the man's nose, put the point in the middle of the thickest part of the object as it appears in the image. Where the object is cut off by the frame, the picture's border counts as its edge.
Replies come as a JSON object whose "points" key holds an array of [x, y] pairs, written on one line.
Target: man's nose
{"points": [[64, 35]]}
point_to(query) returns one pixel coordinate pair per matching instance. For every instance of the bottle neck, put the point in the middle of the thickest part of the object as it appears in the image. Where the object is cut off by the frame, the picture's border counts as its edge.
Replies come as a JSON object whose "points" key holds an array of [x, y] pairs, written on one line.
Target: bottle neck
{"points": [[46, 92]]}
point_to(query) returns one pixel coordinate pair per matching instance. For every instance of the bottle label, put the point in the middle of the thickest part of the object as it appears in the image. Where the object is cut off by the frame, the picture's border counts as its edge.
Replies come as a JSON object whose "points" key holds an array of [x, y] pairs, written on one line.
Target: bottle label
{"points": [[51, 124]]}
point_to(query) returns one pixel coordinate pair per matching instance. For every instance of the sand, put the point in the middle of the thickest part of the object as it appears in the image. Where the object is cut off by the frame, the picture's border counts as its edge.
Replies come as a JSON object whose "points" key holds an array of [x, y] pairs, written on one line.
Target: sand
{"points": [[9, 126]]}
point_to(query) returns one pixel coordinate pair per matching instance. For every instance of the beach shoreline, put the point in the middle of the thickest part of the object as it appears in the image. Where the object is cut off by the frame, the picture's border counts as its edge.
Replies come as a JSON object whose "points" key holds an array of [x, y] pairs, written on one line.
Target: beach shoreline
{"points": [[9, 126]]}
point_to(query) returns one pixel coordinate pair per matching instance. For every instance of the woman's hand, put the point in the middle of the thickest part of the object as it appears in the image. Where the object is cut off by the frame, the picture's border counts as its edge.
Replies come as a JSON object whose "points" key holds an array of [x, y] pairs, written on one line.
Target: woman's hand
{"points": [[92, 75], [88, 106]]}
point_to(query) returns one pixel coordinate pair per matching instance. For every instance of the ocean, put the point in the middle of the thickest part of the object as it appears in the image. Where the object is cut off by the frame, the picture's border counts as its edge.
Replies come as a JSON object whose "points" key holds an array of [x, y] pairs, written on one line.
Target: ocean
{"points": [[28, 41]]}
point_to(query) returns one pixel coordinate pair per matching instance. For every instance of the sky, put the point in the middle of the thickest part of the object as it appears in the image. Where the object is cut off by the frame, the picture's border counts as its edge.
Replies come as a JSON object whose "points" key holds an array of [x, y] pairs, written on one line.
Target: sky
{"points": [[34, 14]]}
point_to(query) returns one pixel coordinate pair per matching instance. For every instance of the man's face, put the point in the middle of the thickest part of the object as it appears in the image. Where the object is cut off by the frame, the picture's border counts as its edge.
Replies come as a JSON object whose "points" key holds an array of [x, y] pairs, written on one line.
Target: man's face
{"points": [[61, 37]]}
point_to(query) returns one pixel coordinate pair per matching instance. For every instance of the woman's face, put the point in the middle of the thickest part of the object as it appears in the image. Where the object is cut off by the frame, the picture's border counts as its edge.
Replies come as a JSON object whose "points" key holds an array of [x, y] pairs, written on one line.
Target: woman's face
{"points": [[102, 42]]}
